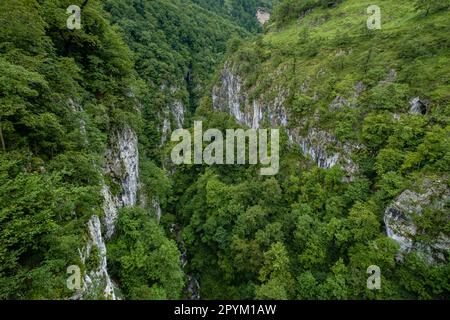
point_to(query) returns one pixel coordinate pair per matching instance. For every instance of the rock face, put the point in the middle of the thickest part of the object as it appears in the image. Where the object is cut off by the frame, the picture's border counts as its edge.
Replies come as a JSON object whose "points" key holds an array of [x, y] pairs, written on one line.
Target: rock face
{"points": [[418, 106], [398, 220], [263, 16], [401, 227], [173, 114], [178, 113], [77, 109], [165, 130], [122, 168], [315, 145], [157, 207], [340, 102], [96, 281], [321, 146], [228, 96]]}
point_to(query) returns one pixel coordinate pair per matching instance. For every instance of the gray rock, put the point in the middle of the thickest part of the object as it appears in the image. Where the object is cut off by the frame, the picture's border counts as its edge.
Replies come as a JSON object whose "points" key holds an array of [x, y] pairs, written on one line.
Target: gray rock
{"points": [[338, 102], [418, 106], [122, 165], [392, 75], [229, 96], [400, 225], [262, 15]]}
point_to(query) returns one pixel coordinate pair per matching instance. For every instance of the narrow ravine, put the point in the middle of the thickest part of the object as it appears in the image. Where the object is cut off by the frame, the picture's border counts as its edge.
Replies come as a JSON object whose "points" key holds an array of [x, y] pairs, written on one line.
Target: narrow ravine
{"points": [[192, 288]]}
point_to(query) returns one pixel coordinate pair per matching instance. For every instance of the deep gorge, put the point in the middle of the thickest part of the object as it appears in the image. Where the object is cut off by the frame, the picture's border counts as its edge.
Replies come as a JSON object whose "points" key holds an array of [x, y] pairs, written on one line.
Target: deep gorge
{"points": [[86, 177]]}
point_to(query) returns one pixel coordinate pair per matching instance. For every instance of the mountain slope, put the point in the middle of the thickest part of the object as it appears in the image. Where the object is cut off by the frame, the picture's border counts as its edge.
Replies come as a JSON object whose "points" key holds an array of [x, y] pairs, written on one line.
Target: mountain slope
{"points": [[177, 45], [242, 12], [85, 113], [91, 207], [364, 178], [73, 105]]}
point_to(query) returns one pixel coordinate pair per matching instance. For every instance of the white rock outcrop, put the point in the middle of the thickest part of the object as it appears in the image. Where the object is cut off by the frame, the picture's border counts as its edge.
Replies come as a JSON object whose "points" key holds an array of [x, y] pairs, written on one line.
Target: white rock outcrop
{"points": [[122, 168], [322, 147], [418, 106], [401, 227], [262, 15]]}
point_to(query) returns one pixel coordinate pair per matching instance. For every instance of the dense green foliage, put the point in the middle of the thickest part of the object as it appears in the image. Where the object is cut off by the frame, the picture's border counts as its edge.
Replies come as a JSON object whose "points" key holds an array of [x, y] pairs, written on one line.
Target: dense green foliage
{"points": [[240, 11], [50, 184], [307, 233], [177, 46], [62, 92], [146, 262], [311, 233]]}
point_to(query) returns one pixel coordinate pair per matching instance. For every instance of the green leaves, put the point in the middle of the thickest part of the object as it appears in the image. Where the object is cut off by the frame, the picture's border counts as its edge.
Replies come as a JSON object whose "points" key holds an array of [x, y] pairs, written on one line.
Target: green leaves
{"points": [[431, 6], [147, 263], [362, 223], [391, 96], [22, 25], [27, 209], [376, 129], [28, 212], [275, 276], [309, 233]]}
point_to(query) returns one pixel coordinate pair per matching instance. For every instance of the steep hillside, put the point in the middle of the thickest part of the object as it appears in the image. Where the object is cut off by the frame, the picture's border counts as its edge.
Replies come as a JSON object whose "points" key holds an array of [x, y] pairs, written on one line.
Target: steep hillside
{"points": [[177, 46], [364, 178], [65, 104], [83, 113], [242, 12], [91, 206]]}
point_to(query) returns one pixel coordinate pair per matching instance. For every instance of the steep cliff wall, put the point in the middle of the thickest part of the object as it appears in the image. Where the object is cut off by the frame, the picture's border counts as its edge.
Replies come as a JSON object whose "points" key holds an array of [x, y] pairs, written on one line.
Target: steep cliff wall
{"points": [[402, 221], [122, 168], [270, 109], [122, 171]]}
